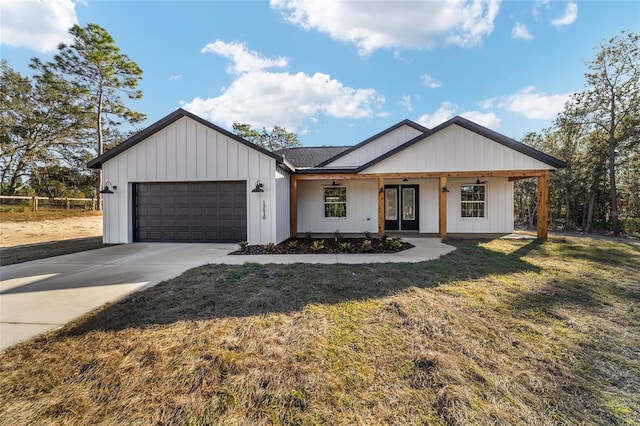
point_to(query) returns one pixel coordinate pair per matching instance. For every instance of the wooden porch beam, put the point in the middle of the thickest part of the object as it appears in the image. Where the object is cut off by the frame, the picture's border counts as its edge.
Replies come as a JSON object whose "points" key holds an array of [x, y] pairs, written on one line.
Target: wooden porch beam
{"points": [[543, 206], [380, 206], [423, 175], [442, 208]]}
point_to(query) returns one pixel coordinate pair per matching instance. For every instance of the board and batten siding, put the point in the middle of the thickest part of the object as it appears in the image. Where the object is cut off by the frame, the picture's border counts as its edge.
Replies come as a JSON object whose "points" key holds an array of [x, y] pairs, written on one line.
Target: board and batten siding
{"points": [[189, 151], [498, 208], [377, 147], [456, 149], [362, 207]]}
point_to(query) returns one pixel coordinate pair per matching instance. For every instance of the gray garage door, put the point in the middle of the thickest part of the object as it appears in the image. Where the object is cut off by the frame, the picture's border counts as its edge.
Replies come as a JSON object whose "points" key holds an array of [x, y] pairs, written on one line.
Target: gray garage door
{"points": [[191, 211]]}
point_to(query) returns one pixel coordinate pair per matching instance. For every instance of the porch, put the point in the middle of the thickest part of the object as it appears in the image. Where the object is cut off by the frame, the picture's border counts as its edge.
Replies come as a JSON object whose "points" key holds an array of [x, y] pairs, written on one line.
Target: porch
{"points": [[384, 181]]}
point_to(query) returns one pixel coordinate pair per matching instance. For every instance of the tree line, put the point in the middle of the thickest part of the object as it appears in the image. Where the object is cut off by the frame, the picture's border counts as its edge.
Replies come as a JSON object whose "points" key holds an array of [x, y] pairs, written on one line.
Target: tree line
{"points": [[55, 121], [598, 136]]}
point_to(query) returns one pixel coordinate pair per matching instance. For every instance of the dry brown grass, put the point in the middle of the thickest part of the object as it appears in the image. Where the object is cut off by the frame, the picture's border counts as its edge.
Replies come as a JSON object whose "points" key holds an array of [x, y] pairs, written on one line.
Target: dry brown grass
{"points": [[20, 214], [498, 332]]}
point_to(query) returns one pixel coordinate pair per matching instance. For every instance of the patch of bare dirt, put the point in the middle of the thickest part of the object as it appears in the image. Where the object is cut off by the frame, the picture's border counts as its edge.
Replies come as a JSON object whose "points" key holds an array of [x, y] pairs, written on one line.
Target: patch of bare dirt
{"points": [[17, 233]]}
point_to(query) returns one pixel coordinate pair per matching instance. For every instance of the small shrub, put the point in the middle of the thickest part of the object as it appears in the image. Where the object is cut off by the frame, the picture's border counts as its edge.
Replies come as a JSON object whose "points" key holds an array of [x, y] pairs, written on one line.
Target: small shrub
{"points": [[307, 235], [397, 242], [383, 237], [337, 235], [366, 245], [367, 235], [346, 246], [270, 247], [243, 245], [317, 245], [293, 244]]}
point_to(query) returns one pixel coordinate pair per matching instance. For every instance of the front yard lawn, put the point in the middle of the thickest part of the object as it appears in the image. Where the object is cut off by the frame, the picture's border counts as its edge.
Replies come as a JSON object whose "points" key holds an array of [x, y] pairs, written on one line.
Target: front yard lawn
{"points": [[497, 332]]}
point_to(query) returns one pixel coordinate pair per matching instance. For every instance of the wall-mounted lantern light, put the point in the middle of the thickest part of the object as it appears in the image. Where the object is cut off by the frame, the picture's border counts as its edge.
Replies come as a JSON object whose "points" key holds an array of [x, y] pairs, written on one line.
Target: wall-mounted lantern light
{"points": [[381, 191], [108, 188], [445, 189], [258, 187]]}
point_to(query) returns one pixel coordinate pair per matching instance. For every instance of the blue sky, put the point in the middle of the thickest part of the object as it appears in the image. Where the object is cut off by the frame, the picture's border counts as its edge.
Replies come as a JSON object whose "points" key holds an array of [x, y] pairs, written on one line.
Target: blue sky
{"points": [[338, 72]]}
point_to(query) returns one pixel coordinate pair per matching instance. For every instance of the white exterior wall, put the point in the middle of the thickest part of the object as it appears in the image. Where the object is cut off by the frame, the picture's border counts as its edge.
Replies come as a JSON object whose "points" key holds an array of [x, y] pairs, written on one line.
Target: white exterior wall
{"points": [[429, 208], [376, 148], [189, 151], [456, 149], [499, 207], [283, 225], [362, 207]]}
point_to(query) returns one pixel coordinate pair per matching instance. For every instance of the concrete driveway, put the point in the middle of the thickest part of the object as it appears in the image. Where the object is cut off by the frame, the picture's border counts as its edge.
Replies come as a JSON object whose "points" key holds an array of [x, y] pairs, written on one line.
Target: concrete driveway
{"points": [[42, 295], [45, 294]]}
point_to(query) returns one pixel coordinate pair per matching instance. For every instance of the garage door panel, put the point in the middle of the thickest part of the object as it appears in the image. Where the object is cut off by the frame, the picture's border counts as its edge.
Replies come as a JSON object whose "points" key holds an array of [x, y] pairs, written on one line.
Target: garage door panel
{"points": [[191, 211]]}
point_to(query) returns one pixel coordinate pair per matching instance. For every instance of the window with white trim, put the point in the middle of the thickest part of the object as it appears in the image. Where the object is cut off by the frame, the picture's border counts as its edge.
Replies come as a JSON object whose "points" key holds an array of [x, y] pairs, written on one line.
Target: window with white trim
{"points": [[335, 202], [473, 201]]}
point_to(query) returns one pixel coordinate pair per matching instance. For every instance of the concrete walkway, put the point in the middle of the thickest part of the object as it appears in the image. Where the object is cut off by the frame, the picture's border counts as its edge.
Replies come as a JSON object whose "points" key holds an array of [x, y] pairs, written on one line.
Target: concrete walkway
{"points": [[45, 294]]}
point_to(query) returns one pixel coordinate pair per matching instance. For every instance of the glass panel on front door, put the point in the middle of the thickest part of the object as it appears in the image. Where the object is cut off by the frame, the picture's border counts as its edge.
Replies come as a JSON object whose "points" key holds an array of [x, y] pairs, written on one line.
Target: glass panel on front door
{"points": [[408, 204], [391, 204]]}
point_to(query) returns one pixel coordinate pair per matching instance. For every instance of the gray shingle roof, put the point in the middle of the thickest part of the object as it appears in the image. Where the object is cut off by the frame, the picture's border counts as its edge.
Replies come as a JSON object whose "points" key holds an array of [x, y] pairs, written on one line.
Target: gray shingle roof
{"points": [[309, 156]]}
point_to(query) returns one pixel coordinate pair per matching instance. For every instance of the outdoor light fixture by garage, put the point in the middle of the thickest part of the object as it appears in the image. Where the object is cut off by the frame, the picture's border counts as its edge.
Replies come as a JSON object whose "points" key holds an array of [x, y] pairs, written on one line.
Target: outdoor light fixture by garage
{"points": [[258, 187], [445, 189], [106, 189]]}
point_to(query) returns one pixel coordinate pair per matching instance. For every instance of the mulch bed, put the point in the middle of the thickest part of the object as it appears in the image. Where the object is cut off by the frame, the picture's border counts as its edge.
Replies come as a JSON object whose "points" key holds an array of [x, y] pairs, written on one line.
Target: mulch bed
{"points": [[330, 246]]}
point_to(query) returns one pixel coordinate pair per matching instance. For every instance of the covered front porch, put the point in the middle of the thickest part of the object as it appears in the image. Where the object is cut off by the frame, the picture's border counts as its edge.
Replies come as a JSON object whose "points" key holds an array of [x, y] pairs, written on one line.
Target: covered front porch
{"points": [[435, 197]]}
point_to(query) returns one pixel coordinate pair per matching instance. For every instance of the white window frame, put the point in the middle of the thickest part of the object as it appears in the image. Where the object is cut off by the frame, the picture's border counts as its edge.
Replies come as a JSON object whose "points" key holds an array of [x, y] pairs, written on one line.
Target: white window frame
{"points": [[482, 202], [325, 203]]}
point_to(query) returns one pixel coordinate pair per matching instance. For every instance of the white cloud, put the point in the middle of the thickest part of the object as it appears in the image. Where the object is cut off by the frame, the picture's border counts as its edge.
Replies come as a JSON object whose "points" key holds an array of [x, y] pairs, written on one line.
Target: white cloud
{"points": [[539, 4], [243, 60], [176, 77], [489, 120], [521, 31], [266, 98], [539, 106], [405, 103], [448, 110], [488, 103], [570, 15], [37, 24], [429, 81], [376, 25]]}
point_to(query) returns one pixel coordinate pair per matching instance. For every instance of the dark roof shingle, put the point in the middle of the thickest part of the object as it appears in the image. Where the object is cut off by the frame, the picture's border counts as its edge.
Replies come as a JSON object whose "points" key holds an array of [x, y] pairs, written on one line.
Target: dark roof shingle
{"points": [[309, 156]]}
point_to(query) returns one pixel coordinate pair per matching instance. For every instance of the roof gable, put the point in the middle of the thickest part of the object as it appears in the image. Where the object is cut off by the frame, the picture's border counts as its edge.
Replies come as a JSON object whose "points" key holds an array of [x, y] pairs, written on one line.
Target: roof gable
{"points": [[350, 157], [479, 130], [443, 140], [97, 162]]}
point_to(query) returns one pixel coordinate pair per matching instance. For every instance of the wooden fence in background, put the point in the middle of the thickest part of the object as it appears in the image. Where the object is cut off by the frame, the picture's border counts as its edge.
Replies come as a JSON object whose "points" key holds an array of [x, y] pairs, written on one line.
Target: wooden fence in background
{"points": [[55, 203]]}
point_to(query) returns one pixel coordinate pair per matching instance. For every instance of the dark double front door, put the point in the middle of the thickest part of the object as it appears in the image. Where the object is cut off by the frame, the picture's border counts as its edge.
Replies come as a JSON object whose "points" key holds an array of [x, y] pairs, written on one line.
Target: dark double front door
{"points": [[401, 208]]}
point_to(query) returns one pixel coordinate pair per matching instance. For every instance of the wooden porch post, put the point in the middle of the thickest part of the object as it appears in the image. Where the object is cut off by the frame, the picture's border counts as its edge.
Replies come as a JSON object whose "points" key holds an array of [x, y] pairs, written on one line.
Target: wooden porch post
{"points": [[543, 205], [442, 208], [293, 206], [380, 206]]}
